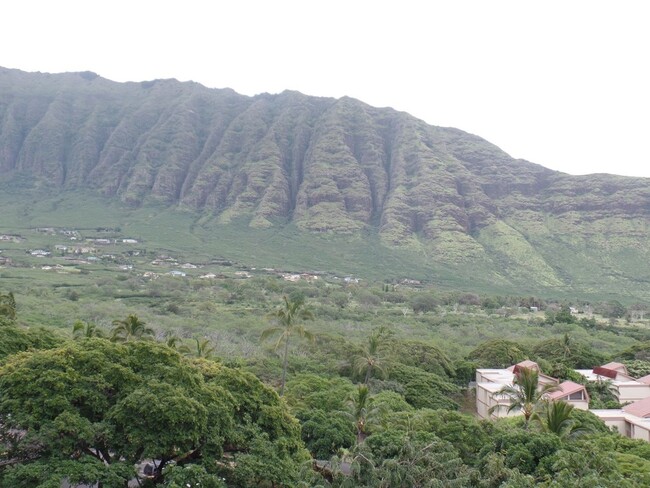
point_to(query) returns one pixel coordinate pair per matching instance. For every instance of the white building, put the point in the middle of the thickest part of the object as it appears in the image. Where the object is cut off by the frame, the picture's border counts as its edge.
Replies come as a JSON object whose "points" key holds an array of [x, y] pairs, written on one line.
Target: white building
{"points": [[632, 420], [489, 382], [625, 387]]}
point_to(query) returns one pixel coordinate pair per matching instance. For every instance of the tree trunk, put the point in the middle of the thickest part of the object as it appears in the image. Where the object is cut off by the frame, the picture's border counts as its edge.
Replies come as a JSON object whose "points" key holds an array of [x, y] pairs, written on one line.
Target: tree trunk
{"points": [[368, 372], [284, 365]]}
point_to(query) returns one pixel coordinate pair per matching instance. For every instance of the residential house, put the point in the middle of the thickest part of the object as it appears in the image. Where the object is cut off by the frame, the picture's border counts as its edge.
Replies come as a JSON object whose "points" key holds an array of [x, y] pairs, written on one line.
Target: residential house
{"points": [[573, 393], [40, 253], [626, 388], [489, 382], [632, 420], [291, 277]]}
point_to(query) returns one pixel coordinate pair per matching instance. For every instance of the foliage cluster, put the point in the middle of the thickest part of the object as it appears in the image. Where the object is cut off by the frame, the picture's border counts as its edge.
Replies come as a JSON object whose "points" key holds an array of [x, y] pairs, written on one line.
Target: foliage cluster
{"points": [[376, 404]]}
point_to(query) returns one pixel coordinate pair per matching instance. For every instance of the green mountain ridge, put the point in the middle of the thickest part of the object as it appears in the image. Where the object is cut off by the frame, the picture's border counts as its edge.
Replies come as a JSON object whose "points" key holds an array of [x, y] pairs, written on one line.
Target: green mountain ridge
{"points": [[329, 167]]}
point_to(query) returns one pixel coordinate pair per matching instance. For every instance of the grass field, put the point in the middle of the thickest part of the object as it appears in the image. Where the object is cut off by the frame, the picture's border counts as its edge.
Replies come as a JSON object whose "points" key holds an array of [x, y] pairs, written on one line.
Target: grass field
{"points": [[119, 278], [201, 238]]}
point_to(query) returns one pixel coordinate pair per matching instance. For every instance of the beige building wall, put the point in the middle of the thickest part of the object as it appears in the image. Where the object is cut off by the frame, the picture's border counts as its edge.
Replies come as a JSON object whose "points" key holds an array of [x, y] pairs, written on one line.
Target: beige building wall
{"points": [[641, 432], [632, 391]]}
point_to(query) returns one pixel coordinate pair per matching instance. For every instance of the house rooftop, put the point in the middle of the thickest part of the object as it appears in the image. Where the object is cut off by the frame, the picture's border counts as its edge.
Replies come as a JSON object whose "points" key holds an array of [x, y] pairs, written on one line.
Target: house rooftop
{"points": [[565, 388], [644, 379], [524, 364], [499, 376], [620, 367], [492, 387], [611, 413], [640, 408], [617, 378]]}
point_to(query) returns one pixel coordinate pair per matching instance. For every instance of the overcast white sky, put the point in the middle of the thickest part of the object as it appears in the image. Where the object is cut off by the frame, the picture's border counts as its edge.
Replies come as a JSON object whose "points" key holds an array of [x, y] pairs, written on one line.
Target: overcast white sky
{"points": [[565, 84]]}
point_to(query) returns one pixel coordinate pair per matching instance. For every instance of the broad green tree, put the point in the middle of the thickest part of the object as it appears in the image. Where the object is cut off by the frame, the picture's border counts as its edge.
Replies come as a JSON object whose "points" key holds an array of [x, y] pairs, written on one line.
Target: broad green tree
{"points": [[290, 318], [325, 433], [92, 409], [569, 352], [15, 339], [498, 353], [401, 460], [8, 306]]}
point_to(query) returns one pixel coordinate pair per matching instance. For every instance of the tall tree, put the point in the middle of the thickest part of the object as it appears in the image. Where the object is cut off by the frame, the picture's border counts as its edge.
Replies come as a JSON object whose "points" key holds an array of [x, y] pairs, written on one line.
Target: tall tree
{"points": [[371, 358], [130, 329], [361, 410], [290, 318], [525, 394]]}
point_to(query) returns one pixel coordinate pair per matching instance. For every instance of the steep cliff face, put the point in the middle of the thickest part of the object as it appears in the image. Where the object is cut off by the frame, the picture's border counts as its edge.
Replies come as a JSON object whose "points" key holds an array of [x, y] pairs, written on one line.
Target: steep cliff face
{"points": [[327, 165]]}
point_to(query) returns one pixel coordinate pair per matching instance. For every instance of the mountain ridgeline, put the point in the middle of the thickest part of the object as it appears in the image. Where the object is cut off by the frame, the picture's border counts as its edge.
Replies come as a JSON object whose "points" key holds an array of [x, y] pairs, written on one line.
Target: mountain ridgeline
{"points": [[333, 166]]}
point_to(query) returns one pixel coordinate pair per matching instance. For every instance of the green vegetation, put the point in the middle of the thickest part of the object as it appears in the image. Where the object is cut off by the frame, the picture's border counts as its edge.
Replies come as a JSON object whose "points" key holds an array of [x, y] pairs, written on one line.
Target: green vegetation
{"points": [[92, 410], [147, 241], [324, 184], [211, 421], [289, 318]]}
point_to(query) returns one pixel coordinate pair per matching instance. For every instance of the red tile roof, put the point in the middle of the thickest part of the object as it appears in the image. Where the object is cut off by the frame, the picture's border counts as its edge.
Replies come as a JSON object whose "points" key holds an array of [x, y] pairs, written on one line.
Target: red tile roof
{"points": [[620, 367], [645, 379], [606, 372], [527, 364], [566, 388], [640, 408]]}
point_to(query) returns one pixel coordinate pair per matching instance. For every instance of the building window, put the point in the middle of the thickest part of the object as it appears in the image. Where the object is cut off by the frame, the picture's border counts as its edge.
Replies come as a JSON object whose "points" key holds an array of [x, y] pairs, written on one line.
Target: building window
{"points": [[577, 396]]}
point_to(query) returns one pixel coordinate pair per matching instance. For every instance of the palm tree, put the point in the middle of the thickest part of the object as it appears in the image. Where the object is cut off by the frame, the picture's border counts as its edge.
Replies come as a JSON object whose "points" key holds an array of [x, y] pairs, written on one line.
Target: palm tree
{"points": [[371, 359], [361, 411], [174, 342], [82, 330], [289, 317], [130, 329], [555, 417], [204, 349], [525, 394]]}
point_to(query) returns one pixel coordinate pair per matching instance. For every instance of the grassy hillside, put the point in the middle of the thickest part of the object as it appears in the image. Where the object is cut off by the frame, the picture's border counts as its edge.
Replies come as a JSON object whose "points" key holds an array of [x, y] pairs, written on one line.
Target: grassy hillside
{"points": [[200, 238], [313, 183]]}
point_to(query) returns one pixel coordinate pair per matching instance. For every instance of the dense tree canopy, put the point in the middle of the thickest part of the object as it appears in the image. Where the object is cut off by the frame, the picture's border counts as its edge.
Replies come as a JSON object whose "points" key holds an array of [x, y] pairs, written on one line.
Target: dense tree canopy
{"points": [[109, 407], [15, 339], [498, 353], [569, 352], [7, 306], [94, 409]]}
